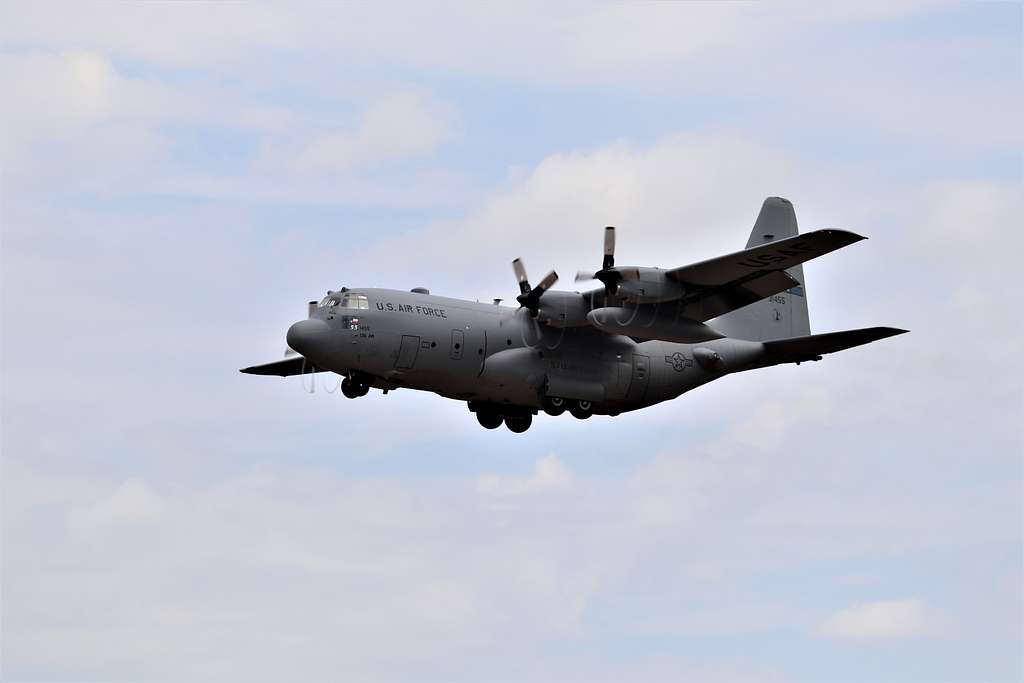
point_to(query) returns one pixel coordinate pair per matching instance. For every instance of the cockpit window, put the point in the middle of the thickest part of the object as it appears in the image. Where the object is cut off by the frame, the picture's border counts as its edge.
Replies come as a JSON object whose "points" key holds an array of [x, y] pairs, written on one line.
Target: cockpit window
{"points": [[356, 301], [329, 301]]}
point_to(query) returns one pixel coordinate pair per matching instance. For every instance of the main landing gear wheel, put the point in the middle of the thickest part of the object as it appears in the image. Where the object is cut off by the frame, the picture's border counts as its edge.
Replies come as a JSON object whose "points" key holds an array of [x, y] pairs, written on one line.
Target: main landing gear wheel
{"points": [[489, 420], [581, 410], [519, 424], [354, 389], [554, 406]]}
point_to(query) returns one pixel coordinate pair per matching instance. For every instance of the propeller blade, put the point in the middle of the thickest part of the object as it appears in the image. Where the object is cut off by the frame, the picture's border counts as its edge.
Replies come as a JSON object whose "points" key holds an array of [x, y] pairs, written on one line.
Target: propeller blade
{"points": [[520, 271], [549, 279], [609, 248], [530, 298], [582, 275]]}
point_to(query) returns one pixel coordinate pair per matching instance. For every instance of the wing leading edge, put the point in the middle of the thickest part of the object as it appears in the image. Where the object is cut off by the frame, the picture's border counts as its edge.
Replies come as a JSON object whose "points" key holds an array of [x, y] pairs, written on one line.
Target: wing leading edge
{"points": [[775, 256]]}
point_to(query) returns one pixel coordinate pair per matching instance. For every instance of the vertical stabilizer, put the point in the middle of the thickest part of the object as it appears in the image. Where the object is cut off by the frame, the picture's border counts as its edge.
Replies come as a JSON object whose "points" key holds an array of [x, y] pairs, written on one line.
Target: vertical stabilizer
{"points": [[782, 315]]}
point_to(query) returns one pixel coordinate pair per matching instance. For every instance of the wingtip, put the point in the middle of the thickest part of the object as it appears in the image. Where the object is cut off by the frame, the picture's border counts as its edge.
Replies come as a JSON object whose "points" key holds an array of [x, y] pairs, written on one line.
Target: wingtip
{"points": [[850, 235], [891, 332]]}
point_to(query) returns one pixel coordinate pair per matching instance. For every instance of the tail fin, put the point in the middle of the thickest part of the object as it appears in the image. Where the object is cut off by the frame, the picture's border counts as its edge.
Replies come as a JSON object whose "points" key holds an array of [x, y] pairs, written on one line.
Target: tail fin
{"points": [[785, 314]]}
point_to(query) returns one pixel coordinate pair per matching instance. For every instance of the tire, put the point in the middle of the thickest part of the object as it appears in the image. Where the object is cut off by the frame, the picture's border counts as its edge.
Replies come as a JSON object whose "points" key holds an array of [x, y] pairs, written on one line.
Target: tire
{"points": [[519, 424], [581, 410], [351, 389], [554, 406], [488, 420]]}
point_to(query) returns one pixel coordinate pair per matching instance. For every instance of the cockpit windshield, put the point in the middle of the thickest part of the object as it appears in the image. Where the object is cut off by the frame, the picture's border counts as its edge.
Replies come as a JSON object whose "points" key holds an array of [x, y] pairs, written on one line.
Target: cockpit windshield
{"points": [[356, 301]]}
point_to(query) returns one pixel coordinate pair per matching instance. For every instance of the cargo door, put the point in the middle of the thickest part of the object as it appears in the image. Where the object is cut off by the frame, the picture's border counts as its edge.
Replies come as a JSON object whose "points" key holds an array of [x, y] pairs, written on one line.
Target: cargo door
{"points": [[407, 352]]}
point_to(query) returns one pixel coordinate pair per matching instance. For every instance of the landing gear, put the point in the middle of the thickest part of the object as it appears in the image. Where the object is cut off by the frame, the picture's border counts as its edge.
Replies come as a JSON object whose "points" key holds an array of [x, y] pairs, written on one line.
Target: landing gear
{"points": [[354, 389], [581, 410], [519, 423], [492, 415], [554, 406], [489, 420]]}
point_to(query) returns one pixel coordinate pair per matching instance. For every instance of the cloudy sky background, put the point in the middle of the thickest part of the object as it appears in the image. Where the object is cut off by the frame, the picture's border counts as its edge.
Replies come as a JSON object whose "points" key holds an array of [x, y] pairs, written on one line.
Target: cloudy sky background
{"points": [[177, 181]]}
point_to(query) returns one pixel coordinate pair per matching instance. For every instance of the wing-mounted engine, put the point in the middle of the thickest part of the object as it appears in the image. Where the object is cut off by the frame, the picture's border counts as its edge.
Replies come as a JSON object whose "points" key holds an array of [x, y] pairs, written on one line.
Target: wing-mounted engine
{"points": [[650, 286], [672, 305], [554, 308], [631, 283], [564, 309], [652, 321]]}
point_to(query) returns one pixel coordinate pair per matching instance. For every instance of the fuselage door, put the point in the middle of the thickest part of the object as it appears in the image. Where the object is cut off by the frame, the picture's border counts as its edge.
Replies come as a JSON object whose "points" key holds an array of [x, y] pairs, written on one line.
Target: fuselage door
{"points": [[641, 375], [407, 352], [458, 345]]}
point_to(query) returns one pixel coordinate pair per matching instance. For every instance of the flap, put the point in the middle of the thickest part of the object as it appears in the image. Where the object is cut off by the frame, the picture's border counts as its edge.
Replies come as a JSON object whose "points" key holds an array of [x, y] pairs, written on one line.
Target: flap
{"points": [[711, 303]]}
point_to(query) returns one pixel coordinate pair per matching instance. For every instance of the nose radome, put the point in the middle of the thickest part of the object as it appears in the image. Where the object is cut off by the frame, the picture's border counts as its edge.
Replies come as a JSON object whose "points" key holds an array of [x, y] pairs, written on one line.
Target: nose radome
{"points": [[308, 336]]}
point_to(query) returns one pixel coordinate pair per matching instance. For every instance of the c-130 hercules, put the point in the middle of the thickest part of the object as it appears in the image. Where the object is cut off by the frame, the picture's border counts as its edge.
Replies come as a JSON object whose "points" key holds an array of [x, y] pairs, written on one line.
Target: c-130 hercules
{"points": [[647, 336]]}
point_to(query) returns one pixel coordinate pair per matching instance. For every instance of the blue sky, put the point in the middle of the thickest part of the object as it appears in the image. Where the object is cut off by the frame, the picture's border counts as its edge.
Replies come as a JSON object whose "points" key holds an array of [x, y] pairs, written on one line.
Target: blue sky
{"points": [[178, 180]]}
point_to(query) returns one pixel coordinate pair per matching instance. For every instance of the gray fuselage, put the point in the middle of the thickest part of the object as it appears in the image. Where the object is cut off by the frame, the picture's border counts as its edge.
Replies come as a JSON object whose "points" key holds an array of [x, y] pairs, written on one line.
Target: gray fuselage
{"points": [[492, 354]]}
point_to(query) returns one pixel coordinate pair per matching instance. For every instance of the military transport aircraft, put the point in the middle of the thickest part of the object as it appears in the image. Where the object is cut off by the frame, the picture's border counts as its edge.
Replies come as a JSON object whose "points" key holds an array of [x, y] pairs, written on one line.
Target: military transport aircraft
{"points": [[645, 336]]}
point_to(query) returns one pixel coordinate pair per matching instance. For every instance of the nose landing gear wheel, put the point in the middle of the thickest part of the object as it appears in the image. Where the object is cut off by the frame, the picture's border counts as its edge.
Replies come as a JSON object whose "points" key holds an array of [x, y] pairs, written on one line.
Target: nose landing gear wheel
{"points": [[581, 410], [354, 389], [554, 406], [488, 420], [519, 425]]}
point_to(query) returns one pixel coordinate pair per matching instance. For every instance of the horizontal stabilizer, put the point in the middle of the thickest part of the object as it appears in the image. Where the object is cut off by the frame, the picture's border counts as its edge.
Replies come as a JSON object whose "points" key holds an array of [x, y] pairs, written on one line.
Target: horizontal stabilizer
{"points": [[777, 255], [293, 365], [799, 349]]}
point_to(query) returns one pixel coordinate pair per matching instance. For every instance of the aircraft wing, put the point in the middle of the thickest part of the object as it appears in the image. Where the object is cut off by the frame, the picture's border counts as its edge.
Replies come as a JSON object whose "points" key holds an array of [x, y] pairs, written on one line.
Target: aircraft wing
{"points": [[292, 365], [774, 256], [708, 303]]}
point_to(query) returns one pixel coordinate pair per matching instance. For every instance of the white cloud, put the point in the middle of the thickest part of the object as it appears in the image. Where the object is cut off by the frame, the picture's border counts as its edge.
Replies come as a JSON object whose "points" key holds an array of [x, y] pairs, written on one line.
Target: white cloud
{"points": [[398, 126], [169, 34], [680, 199], [907, 618], [548, 474], [75, 122], [54, 100], [972, 215], [437, 567], [549, 43], [132, 502]]}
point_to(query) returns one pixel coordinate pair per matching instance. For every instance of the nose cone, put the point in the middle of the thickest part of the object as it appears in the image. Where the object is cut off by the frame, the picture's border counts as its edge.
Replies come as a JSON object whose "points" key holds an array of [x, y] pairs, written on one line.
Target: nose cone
{"points": [[309, 337]]}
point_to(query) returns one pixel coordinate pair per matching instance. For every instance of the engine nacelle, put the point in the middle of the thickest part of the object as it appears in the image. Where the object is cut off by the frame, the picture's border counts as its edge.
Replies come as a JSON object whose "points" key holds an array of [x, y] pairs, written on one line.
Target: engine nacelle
{"points": [[651, 286], [651, 322], [563, 309]]}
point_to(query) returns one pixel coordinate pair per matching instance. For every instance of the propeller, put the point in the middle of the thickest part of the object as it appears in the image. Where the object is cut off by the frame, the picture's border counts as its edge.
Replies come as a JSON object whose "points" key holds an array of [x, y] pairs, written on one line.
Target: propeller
{"points": [[609, 275], [529, 297]]}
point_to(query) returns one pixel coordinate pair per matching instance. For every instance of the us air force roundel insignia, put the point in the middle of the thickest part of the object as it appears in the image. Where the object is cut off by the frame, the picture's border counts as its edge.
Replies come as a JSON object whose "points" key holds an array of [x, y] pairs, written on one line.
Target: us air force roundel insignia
{"points": [[679, 362]]}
